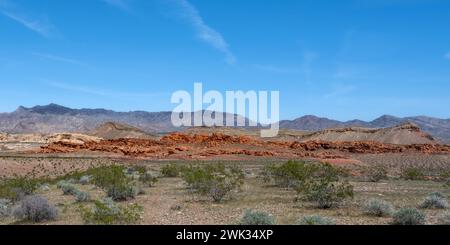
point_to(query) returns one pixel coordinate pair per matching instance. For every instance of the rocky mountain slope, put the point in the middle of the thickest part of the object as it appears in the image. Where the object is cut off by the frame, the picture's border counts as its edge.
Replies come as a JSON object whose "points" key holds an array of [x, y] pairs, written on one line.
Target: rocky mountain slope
{"points": [[438, 128], [58, 119]]}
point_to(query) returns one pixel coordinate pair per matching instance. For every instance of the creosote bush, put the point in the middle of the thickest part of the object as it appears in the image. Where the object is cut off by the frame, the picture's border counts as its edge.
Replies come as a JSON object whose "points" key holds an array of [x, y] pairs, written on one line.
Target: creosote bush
{"points": [[412, 173], [378, 208], [148, 178], [408, 216], [315, 220], [215, 180], [171, 170], [17, 188], [435, 200], [256, 218], [107, 212], [35, 209]]}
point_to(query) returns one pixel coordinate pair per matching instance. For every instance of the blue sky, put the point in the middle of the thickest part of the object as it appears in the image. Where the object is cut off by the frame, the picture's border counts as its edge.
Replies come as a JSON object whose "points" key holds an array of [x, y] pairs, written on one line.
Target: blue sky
{"points": [[340, 59]]}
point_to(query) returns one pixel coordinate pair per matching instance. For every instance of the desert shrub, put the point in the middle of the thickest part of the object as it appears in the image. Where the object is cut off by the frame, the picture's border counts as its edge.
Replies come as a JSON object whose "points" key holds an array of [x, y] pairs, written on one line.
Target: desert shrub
{"points": [[435, 200], [321, 184], [148, 178], [256, 218], [325, 193], [171, 170], [18, 187], [412, 173], [215, 180], [289, 174], [408, 216], [376, 173], [105, 177], [5, 207], [107, 212], [121, 192], [81, 196], [379, 208], [139, 169], [35, 209], [315, 220], [444, 219], [68, 189], [85, 179]]}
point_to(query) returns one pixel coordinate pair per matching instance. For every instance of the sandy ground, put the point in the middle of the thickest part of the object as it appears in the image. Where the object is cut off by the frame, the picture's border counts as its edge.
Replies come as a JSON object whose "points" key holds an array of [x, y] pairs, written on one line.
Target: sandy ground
{"points": [[160, 200]]}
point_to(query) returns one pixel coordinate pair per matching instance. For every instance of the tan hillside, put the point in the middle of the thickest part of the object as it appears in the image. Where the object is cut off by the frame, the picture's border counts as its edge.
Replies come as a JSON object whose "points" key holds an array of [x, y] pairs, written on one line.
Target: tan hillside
{"points": [[113, 130]]}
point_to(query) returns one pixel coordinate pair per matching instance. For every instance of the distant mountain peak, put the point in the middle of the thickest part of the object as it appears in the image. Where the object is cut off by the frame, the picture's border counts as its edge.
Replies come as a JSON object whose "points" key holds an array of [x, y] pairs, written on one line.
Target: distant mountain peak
{"points": [[51, 109]]}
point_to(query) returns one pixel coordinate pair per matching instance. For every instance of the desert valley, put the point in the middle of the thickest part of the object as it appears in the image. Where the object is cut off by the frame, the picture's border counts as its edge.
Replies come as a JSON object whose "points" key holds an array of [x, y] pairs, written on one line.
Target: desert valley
{"points": [[87, 163]]}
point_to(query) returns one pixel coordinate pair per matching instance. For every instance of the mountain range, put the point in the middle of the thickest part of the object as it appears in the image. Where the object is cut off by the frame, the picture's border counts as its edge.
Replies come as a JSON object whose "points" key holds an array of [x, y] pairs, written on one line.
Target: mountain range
{"points": [[54, 118]]}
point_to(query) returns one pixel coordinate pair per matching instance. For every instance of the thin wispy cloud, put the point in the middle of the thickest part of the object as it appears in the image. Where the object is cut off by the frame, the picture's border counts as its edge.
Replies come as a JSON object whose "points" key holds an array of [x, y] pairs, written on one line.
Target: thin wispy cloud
{"points": [[120, 4], [59, 59], [204, 32], [42, 27], [96, 91]]}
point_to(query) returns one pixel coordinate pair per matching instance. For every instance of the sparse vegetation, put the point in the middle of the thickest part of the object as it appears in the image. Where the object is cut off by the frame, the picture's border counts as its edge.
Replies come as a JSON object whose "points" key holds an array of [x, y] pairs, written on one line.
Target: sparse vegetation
{"points": [[315, 220], [18, 187], [84, 180], [376, 173], [35, 209], [148, 178], [378, 208], [81, 196], [121, 192], [171, 170], [408, 216], [5, 208], [107, 212], [214, 180], [435, 200], [256, 218], [412, 173]]}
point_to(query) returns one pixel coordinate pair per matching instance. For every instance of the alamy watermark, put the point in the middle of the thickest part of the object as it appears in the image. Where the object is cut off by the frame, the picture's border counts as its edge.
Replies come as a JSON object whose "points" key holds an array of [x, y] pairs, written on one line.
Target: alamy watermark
{"points": [[237, 105]]}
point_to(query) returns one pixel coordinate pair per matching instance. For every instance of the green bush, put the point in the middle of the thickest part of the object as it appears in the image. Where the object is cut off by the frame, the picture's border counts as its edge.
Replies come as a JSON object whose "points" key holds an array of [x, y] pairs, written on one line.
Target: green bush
{"points": [[378, 208], [121, 192], [289, 174], [409, 216], [324, 193], [81, 196], [18, 187], [412, 173], [315, 220], [68, 189], [435, 200], [320, 183], [171, 170], [256, 218], [108, 176], [107, 212], [148, 178], [376, 173], [215, 180]]}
